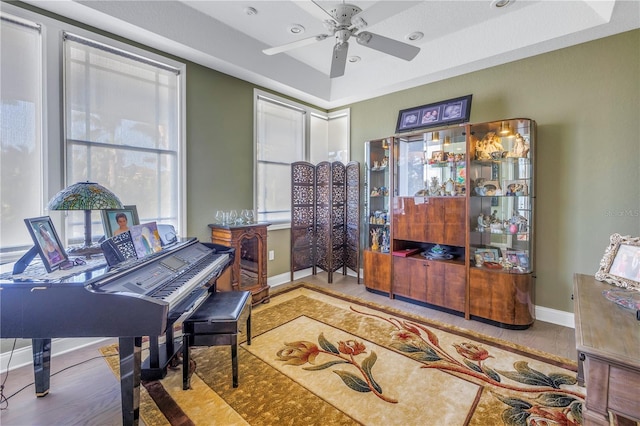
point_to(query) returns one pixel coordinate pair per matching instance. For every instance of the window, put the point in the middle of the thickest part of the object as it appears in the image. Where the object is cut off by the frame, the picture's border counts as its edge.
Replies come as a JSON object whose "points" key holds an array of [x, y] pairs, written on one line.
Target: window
{"points": [[119, 108], [122, 128], [286, 132], [21, 162]]}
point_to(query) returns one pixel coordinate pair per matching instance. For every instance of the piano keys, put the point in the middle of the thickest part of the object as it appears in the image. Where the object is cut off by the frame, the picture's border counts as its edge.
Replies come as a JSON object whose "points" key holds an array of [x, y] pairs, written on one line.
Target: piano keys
{"points": [[144, 297]]}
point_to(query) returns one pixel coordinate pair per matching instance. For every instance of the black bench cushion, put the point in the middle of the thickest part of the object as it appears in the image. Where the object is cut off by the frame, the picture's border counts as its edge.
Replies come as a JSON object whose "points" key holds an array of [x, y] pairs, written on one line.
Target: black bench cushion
{"points": [[220, 313]]}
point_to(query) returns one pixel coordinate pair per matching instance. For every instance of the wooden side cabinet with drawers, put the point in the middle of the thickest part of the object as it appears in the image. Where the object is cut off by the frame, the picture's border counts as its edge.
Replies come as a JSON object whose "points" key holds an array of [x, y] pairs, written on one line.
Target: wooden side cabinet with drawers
{"points": [[249, 269]]}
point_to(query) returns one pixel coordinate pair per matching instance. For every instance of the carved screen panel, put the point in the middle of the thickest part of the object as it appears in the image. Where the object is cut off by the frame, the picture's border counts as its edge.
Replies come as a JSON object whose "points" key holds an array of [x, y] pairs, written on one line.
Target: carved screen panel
{"points": [[352, 218], [325, 227], [323, 217], [302, 216]]}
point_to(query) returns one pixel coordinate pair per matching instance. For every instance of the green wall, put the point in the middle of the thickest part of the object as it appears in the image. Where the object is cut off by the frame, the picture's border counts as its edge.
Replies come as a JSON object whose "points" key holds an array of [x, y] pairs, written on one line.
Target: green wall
{"points": [[586, 102], [585, 99]]}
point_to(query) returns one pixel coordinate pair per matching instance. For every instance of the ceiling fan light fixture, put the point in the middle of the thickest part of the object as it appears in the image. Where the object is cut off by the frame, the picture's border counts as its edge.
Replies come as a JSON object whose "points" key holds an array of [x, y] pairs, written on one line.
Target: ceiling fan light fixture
{"points": [[499, 4], [414, 36], [296, 29]]}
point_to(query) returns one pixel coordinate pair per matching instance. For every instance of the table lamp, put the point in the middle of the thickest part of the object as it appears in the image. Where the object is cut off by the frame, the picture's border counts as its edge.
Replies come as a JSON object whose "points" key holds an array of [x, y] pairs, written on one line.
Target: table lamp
{"points": [[85, 196]]}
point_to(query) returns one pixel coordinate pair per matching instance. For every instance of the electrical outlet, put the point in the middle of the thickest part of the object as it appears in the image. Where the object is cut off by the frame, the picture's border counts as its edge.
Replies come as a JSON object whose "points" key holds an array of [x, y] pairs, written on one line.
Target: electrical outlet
{"points": [[272, 255]]}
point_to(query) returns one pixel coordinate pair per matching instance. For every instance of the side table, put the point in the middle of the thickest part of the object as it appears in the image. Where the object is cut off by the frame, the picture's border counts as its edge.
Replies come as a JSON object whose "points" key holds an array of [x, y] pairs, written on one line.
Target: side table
{"points": [[249, 269], [608, 344]]}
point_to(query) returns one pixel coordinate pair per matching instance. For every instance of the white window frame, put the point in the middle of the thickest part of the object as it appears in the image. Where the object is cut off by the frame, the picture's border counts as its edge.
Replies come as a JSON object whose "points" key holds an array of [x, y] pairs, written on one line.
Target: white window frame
{"points": [[309, 113], [53, 148]]}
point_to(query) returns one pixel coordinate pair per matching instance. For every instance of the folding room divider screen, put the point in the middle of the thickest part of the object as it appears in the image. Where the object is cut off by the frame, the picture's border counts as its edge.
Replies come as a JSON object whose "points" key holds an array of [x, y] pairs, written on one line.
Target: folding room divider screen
{"points": [[325, 217]]}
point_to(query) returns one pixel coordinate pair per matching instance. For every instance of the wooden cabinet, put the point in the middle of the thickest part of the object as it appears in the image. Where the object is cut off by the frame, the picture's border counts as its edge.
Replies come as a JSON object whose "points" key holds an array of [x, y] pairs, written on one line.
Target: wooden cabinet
{"points": [[501, 297], [462, 203], [377, 271], [608, 342], [438, 283], [249, 269], [437, 220]]}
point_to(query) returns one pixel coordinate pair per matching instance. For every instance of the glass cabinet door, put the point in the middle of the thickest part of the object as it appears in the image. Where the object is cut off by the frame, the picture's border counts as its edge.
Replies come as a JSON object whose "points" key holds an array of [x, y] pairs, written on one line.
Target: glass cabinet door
{"points": [[502, 194], [377, 195], [432, 163]]}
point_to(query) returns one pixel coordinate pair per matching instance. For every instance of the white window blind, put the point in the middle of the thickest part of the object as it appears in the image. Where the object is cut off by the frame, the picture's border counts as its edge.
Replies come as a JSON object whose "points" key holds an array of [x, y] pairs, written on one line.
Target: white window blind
{"points": [[21, 162], [280, 134], [286, 132], [122, 127]]}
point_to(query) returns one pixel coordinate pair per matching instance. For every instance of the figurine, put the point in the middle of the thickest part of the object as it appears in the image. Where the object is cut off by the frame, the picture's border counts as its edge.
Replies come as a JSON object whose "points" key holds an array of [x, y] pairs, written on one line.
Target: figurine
{"points": [[385, 241], [489, 144], [481, 223], [520, 148], [434, 186], [375, 235]]}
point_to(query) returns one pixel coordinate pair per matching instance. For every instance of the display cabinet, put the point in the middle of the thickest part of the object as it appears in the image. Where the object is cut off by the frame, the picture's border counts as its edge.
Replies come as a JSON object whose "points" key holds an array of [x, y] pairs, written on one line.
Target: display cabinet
{"points": [[249, 269], [429, 218], [461, 220], [501, 225], [376, 220]]}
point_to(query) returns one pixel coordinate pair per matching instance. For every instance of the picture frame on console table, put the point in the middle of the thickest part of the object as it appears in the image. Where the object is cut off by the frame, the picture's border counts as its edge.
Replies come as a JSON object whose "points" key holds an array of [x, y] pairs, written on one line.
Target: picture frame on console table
{"points": [[620, 264], [47, 243], [110, 219]]}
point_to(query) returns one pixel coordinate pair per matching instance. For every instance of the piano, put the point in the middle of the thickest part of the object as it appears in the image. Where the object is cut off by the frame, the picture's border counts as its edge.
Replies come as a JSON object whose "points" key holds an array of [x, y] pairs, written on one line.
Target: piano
{"points": [[131, 300]]}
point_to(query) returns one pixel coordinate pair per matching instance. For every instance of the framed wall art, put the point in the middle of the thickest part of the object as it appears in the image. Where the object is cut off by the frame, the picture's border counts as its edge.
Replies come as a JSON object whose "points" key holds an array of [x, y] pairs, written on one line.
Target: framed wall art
{"points": [[620, 264], [117, 221], [451, 111]]}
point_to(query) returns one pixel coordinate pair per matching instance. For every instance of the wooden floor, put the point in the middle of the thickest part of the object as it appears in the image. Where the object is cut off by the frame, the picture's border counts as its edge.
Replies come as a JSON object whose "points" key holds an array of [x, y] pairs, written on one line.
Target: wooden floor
{"points": [[89, 394]]}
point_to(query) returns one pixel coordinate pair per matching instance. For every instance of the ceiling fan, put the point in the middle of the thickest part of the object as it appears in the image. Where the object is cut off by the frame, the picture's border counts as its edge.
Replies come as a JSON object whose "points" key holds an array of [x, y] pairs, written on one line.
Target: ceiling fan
{"points": [[347, 20]]}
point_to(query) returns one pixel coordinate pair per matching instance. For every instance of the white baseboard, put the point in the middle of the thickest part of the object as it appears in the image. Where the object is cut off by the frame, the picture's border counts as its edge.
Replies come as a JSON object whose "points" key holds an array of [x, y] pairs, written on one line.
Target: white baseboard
{"points": [[565, 319], [24, 355]]}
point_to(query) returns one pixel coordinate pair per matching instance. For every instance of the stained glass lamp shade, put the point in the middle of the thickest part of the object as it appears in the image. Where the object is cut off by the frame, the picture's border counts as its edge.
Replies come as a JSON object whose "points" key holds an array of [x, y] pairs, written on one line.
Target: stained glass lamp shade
{"points": [[85, 196]]}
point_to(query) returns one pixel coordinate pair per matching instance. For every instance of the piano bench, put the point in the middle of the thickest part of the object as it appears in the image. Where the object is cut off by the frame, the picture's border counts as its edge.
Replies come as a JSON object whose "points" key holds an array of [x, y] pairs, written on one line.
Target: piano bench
{"points": [[217, 322]]}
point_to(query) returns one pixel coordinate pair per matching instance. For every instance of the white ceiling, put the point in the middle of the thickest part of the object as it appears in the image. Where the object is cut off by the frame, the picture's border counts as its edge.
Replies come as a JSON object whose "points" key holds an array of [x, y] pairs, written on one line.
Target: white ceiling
{"points": [[460, 36]]}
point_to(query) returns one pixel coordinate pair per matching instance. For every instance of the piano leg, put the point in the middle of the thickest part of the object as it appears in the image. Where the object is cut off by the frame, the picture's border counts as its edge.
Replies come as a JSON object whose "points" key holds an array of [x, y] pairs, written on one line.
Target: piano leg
{"points": [[130, 364], [41, 365]]}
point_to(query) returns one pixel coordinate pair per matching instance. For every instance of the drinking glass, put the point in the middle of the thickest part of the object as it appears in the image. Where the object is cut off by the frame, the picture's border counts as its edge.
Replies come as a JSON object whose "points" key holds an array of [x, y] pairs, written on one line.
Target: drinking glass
{"points": [[219, 217], [249, 215], [233, 216]]}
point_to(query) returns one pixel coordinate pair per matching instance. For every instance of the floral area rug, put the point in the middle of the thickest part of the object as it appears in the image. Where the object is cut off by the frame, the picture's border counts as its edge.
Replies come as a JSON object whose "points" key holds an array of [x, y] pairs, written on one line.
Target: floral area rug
{"points": [[319, 358]]}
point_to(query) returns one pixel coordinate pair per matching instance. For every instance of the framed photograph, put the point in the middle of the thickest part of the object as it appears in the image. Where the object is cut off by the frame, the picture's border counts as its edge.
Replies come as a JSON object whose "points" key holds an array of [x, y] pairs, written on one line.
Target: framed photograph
{"points": [[47, 242], [438, 157], [620, 264], [117, 221], [488, 254], [451, 111], [146, 239]]}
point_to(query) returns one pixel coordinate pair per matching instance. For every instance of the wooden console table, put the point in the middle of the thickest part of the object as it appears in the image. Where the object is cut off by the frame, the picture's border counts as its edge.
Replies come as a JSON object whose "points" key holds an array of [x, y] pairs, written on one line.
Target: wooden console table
{"points": [[249, 269], [608, 344]]}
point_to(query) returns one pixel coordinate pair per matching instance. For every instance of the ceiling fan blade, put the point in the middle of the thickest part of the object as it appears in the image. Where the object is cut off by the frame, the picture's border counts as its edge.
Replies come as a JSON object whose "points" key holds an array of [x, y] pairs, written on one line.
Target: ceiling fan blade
{"points": [[314, 9], [382, 10], [294, 45], [387, 45], [339, 60]]}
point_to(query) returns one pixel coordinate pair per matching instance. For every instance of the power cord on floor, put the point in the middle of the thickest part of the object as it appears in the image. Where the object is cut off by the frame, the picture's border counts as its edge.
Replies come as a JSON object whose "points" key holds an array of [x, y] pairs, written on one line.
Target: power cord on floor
{"points": [[4, 400]]}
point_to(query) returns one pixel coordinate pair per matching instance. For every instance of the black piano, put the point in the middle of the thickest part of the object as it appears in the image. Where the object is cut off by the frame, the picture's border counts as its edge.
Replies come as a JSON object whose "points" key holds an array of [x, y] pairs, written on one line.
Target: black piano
{"points": [[133, 299]]}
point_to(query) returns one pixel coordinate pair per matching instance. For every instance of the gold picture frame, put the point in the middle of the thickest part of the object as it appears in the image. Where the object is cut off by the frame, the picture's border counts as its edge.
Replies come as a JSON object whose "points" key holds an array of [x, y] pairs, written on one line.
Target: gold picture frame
{"points": [[620, 264]]}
